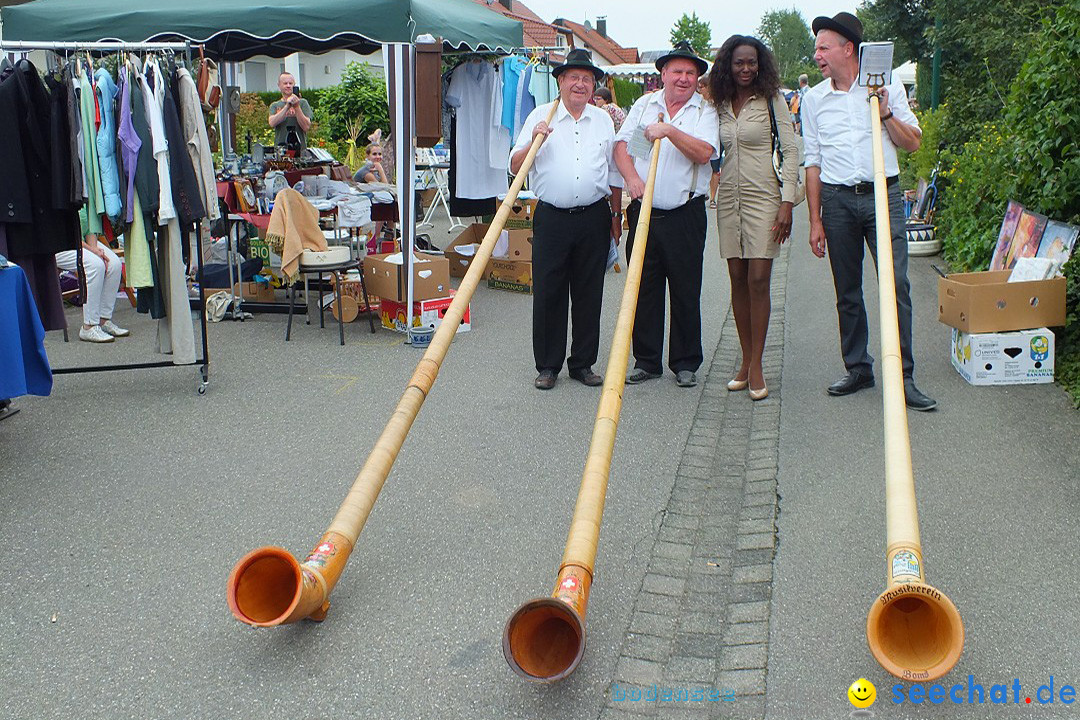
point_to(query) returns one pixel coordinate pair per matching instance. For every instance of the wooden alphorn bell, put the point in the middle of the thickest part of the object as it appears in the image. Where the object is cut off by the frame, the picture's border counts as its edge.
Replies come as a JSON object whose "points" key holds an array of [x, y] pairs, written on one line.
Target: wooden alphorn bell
{"points": [[544, 639], [913, 629], [268, 586]]}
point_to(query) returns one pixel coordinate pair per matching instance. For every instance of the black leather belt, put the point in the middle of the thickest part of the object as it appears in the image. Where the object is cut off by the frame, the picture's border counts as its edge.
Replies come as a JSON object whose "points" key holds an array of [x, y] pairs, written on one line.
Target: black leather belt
{"points": [[865, 188], [571, 210]]}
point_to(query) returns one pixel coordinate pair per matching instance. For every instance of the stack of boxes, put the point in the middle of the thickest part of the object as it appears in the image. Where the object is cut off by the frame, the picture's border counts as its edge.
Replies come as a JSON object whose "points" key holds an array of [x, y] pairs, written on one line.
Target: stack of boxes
{"points": [[510, 266], [999, 328], [385, 277]]}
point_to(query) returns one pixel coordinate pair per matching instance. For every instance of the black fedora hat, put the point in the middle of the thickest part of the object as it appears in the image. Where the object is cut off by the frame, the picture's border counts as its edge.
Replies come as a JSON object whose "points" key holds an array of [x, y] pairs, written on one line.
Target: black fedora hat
{"points": [[683, 50], [579, 58], [844, 23]]}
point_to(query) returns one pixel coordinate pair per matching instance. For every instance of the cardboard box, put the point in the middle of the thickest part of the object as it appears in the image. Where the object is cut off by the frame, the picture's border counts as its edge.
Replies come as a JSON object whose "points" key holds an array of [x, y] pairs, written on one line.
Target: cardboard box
{"points": [[259, 292], [512, 275], [431, 277], [459, 264], [985, 302], [426, 313], [521, 216], [518, 246], [1014, 358]]}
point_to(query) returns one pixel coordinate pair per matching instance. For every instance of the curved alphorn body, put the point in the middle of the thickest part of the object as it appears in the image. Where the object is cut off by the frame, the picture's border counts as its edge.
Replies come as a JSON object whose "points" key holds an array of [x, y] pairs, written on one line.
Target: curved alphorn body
{"points": [[913, 629], [544, 639], [268, 586]]}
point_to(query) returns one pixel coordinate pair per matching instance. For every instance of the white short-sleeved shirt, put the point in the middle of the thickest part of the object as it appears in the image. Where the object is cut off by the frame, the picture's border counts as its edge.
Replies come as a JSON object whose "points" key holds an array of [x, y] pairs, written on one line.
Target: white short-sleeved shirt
{"points": [[473, 91], [575, 164], [675, 183], [837, 132]]}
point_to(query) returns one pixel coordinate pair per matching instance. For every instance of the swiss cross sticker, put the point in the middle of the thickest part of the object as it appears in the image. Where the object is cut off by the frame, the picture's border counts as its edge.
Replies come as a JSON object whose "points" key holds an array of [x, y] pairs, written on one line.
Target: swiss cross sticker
{"points": [[570, 583], [325, 548]]}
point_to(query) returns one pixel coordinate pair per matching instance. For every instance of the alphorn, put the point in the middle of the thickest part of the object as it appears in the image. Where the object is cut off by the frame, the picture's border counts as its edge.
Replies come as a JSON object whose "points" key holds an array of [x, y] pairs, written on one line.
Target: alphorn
{"points": [[268, 586], [544, 639], [913, 629]]}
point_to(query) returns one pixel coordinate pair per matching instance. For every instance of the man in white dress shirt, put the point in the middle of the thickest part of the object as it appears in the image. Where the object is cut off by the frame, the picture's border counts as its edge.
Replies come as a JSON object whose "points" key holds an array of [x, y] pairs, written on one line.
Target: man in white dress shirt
{"points": [[689, 128], [573, 224], [838, 151]]}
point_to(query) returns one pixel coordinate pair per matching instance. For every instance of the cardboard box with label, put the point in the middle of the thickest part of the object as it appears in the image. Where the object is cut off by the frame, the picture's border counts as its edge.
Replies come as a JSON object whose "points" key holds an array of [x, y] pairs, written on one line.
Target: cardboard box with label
{"points": [[520, 217], [985, 302], [1025, 357], [384, 276], [512, 275], [426, 313]]}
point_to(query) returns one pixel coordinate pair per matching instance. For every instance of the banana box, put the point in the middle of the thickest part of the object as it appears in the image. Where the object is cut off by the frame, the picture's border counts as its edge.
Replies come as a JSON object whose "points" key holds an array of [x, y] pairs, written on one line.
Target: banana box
{"points": [[513, 275], [1009, 358], [426, 313]]}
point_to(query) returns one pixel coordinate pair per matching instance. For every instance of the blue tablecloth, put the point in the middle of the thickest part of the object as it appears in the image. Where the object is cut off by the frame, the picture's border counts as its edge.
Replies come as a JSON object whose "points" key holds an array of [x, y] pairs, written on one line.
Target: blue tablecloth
{"points": [[24, 367]]}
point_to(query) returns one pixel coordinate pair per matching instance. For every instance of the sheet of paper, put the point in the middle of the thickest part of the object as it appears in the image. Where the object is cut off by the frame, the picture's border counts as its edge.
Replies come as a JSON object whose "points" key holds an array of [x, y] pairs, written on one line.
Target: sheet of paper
{"points": [[639, 147], [875, 61]]}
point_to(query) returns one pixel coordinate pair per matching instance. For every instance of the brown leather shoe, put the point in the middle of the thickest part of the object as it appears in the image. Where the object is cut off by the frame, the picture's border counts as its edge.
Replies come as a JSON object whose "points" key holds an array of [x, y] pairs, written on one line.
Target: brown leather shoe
{"points": [[586, 376], [545, 380]]}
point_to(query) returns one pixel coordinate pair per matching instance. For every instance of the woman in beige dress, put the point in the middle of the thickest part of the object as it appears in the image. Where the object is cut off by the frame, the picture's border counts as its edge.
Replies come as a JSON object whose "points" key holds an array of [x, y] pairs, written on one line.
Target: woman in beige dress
{"points": [[754, 212]]}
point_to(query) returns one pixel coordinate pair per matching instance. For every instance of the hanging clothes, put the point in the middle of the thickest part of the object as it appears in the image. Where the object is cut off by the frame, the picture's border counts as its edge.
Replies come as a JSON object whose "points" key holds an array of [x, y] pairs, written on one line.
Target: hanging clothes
{"points": [[459, 206], [35, 212], [513, 68], [153, 102], [95, 201], [542, 85], [198, 144], [106, 143], [473, 93], [185, 188]]}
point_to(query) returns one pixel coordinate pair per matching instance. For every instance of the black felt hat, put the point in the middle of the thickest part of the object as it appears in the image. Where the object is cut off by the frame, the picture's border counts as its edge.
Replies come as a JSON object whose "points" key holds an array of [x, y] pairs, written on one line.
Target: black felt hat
{"points": [[579, 58], [683, 50], [844, 23]]}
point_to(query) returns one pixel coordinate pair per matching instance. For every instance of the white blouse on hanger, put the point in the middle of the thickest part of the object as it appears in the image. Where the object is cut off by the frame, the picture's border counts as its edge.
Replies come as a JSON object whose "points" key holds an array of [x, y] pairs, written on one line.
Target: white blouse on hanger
{"points": [[474, 90]]}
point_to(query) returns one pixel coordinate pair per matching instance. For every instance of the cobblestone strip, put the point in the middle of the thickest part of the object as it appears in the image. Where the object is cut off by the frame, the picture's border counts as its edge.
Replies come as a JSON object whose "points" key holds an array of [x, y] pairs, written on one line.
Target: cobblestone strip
{"points": [[701, 618]]}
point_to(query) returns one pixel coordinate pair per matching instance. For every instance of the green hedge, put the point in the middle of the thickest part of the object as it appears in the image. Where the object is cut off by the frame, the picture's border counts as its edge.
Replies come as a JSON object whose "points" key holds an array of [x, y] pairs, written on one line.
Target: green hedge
{"points": [[1031, 155]]}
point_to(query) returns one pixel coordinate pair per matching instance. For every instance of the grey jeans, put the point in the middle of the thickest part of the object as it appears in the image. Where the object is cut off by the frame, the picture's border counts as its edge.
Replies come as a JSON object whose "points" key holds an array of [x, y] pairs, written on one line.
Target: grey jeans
{"points": [[849, 222]]}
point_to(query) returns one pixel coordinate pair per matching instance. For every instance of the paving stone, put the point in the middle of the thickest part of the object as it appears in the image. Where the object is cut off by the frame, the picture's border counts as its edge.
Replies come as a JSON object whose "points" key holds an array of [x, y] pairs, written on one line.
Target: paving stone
{"points": [[675, 551], [746, 633], [753, 556], [661, 625], [702, 623], [663, 584], [744, 682], [648, 647], [752, 573], [743, 657], [669, 567], [697, 645], [687, 669], [638, 671], [751, 592], [756, 540], [652, 603]]}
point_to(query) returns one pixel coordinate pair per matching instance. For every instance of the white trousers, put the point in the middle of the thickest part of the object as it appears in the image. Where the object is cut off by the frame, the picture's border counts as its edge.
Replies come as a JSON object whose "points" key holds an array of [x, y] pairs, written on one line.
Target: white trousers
{"points": [[101, 284]]}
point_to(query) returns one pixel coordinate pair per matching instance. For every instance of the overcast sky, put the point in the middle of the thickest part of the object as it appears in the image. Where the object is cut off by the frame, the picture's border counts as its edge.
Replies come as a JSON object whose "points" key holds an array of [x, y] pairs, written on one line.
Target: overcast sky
{"points": [[647, 24]]}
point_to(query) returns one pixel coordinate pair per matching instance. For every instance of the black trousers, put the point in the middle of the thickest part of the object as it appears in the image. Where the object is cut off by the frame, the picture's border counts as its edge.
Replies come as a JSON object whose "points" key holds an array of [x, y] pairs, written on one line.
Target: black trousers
{"points": [[673, 258], [849, 220], [569, 257]]}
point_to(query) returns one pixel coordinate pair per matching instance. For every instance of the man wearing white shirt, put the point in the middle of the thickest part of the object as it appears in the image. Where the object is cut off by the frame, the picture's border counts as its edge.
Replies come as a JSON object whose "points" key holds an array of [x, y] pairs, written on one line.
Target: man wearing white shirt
{"points": [[573, 224], [838, 152], [688, 127]]}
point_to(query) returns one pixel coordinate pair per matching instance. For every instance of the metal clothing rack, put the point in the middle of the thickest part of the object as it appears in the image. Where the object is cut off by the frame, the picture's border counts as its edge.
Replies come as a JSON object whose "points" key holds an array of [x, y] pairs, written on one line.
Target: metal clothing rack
{"points": [[105, 46]]}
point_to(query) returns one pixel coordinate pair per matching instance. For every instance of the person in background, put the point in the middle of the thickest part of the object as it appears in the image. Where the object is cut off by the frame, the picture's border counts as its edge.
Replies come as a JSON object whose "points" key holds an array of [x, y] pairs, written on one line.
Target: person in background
{"points": [[840, 194], [804, 85], [602, 99], [572, 229], [372, 169], [714, 181], [685, 123], [101, 268], [290, 116], [755, 211]]}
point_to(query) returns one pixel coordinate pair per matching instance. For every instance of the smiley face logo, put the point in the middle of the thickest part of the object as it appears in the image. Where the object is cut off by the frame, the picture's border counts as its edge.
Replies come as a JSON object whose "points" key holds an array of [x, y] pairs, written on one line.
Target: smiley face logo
{"points": [[862, 693]]}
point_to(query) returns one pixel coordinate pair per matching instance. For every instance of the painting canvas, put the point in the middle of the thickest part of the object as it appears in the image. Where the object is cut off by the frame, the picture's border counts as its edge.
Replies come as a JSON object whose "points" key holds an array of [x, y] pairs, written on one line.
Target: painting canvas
{"points": [[1005, 236], [1058, 241], [1025, 242]]}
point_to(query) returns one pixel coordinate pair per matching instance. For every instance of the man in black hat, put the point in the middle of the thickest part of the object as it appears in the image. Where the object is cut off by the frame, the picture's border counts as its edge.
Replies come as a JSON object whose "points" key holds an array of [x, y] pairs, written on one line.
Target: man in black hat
{"points": [[838, 151], [573, 224], [690, 131]]}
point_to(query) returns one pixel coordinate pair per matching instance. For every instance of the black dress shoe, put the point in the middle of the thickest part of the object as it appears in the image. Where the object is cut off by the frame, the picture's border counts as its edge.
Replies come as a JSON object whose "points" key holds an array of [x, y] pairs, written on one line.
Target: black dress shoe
{"points": [[852, 382], [916, 400], [586, 376], [638, 375], [545, 380], [685, 378]]}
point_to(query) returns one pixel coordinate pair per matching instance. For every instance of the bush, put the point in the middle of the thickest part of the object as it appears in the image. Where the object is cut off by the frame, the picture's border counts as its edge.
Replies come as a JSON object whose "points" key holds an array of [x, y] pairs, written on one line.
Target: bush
{"points": [[1037, 164], [626, 92], [360, 94]]}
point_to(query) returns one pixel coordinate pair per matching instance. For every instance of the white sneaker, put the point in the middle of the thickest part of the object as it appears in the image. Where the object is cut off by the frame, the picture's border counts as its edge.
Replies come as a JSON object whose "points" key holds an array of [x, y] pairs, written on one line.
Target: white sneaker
{"points": [[115, 330], [95, 335]]}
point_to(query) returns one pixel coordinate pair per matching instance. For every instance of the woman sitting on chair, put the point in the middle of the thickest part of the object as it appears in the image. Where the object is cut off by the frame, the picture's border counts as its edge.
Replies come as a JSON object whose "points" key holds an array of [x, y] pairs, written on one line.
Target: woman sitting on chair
{"points": [[101, 267]]}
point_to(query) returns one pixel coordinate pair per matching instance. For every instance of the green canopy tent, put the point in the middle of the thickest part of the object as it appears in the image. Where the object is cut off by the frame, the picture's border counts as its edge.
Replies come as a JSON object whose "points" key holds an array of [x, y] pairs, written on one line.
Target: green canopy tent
{"points": [[239, 29]]}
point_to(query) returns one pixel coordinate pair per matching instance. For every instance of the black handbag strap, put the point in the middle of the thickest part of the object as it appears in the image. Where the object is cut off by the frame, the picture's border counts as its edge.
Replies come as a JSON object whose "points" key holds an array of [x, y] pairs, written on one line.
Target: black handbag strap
{"points": [[775, 135]]}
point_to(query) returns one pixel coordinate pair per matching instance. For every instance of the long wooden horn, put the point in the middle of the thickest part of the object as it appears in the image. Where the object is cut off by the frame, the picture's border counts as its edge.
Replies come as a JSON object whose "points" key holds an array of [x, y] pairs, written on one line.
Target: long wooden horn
{"points": [[268, 586], [913, 629], [544, 639]]}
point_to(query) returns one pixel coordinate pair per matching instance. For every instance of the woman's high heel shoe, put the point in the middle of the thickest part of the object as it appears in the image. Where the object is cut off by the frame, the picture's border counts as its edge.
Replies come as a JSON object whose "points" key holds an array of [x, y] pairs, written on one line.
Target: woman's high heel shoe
{"points": [[759, 394], [736, 385]]}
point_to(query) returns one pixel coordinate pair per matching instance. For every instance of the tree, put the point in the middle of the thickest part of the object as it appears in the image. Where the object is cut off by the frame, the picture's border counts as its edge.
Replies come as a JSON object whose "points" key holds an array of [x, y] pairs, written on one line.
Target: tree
{"points": [[788, 35], [361, 94], [905, 22], [694, 31]]}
